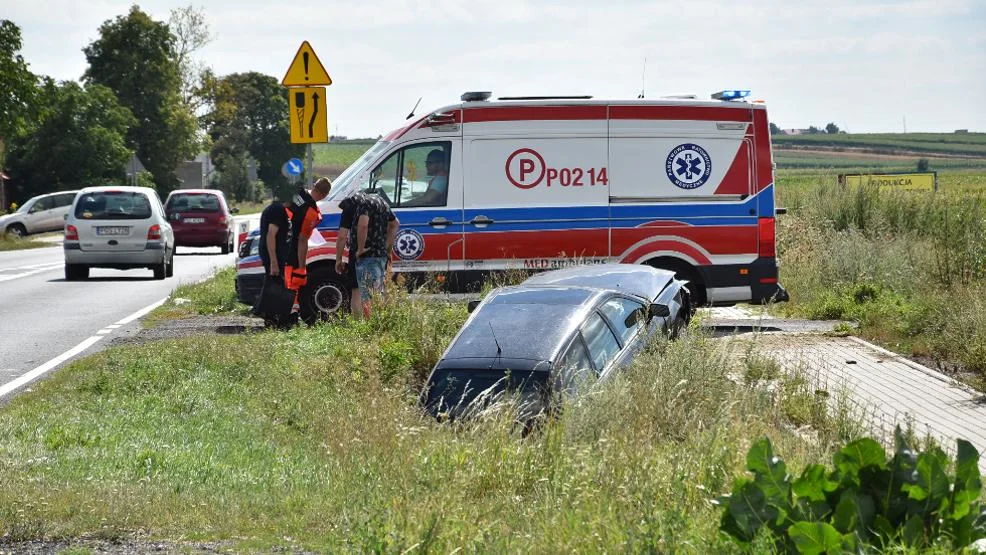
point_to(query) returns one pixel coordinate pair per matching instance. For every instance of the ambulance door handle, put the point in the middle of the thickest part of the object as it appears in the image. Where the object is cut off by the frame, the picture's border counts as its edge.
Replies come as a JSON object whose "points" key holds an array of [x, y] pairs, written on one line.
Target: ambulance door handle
{"points": [[481, 221], [439, 222]]}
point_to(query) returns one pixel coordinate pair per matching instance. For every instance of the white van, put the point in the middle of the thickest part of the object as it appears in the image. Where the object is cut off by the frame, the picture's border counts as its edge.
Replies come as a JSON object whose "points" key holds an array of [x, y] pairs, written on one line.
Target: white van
{"points": [[543, 182]]}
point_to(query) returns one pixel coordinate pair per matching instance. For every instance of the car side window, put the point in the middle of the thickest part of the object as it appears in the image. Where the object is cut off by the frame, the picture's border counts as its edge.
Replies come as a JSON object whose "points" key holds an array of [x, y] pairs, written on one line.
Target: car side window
{"points": [[64, 200], [46, 203], [626, 316], [600, 340], [575, 367]]}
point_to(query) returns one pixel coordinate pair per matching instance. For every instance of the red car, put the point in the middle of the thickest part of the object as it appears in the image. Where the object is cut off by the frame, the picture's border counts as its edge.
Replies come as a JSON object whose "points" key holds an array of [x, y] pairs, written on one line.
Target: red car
{"points": [[201, 218]]}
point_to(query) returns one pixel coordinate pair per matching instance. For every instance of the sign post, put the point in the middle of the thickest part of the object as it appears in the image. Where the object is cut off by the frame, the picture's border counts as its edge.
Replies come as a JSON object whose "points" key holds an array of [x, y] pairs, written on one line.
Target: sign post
{"points": [[306, 80]]}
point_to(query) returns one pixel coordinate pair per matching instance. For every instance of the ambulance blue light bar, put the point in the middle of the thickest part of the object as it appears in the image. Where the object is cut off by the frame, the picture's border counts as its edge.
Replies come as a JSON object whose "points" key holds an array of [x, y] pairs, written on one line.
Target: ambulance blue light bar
{"points": [[730, 95]]}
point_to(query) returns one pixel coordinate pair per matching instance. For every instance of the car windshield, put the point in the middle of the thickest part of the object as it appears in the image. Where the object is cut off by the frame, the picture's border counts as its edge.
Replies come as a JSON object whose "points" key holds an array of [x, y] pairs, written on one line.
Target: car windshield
{"points": [[346, 183], [451, 389], [25, 207], [113, 205], [193, 202]]}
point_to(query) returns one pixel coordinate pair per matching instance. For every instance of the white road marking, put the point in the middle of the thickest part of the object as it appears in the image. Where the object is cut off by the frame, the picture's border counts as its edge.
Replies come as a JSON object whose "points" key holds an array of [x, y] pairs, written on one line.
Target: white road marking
{"points": [[81, 347], [48, 366], [35, 270]]}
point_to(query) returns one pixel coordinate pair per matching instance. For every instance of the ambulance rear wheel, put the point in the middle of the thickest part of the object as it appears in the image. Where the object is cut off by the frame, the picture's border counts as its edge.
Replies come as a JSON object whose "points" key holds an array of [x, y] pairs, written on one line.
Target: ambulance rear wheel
{"points": [[325, 296]]}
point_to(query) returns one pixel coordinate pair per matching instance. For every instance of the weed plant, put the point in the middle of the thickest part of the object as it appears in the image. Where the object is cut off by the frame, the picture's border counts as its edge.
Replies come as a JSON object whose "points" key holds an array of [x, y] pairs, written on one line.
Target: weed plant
{"points": [[909, 267], [12, 243], [312, 439]]}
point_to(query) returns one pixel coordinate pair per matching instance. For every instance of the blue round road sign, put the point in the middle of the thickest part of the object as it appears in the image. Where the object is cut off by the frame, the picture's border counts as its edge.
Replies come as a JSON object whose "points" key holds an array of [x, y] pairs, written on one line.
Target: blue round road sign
{"points": [[294, 166]]}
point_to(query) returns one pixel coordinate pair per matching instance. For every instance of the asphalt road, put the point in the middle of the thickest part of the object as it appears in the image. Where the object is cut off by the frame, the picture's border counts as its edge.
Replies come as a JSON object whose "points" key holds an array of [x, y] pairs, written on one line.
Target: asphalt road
{"points": [[46, 321]]}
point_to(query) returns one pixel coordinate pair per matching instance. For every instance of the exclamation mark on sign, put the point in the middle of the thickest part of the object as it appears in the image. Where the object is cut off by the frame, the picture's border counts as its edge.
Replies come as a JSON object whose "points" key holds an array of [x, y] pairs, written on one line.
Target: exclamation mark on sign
{"points": [[304, 58]]}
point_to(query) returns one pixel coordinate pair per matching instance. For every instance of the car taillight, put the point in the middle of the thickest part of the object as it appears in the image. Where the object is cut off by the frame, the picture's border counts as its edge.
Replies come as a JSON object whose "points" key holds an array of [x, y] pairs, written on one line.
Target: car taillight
{"points": [[71, 233], [154, 233], [768, 241], [222, 220]]}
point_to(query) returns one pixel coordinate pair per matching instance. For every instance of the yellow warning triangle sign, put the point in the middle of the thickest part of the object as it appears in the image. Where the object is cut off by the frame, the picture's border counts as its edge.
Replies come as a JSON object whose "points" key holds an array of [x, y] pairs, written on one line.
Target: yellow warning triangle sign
{"points": [[306, 69]]}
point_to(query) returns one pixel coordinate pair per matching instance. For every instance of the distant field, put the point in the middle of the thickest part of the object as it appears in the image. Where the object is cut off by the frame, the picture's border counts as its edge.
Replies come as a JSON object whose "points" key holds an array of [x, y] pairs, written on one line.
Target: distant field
{"points": [[853, 152]]}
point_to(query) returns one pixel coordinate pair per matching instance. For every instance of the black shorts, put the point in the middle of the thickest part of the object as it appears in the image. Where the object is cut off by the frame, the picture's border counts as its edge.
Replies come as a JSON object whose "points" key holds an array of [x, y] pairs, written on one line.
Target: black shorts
{"points": [[349, 278]]}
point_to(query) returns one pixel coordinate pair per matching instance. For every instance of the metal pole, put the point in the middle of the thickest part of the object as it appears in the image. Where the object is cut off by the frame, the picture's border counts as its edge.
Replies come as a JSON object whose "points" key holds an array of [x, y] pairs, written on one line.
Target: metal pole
{"points": [[310, 171]]}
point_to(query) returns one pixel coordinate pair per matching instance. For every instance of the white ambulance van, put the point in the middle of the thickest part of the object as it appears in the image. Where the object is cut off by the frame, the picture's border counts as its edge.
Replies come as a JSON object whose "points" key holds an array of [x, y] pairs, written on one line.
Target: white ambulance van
{"points": [[536, 183]]}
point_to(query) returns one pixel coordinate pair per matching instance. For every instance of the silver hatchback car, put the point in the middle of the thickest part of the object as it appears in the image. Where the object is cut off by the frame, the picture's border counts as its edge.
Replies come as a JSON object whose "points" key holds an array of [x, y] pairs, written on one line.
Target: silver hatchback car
{"points": [[118, 227]]}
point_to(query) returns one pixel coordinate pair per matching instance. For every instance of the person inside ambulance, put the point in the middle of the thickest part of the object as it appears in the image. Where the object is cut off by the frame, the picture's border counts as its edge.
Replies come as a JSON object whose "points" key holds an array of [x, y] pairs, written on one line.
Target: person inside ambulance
{"points": [[436, 167]]}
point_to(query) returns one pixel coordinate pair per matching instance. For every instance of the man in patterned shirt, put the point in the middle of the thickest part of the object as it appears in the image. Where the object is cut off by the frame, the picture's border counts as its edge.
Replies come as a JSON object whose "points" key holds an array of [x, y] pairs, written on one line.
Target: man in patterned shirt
{"points": [[369, 247]]}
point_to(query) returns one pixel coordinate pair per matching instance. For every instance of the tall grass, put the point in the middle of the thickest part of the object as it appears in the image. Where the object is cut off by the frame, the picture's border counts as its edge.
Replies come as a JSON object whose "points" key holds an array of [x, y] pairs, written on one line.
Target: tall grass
{"points": [[910, 267], [312, 439]]}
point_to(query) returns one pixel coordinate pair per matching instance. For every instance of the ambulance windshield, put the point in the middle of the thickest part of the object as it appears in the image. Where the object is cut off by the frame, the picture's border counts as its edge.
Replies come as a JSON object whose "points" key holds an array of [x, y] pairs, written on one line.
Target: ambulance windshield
{"points": [[346, 183]]}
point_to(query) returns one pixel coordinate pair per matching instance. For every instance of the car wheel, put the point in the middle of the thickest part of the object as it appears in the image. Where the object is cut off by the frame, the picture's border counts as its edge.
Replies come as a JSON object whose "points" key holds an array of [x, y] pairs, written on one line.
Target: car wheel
{"points": [[170, 271], [75, 272], [224, 248], [17, 230], [161, 270], [326, 295]]}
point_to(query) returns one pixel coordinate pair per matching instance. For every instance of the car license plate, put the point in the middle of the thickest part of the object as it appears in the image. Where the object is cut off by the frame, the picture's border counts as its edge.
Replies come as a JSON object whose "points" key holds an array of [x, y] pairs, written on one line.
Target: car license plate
{"points": [[193, 220], [112, 230]]}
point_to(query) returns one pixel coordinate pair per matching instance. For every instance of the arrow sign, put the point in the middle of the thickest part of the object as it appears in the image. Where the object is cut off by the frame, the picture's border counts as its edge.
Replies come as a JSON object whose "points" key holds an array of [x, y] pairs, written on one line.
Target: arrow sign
{"points": [[294, 166], [307, 116]]}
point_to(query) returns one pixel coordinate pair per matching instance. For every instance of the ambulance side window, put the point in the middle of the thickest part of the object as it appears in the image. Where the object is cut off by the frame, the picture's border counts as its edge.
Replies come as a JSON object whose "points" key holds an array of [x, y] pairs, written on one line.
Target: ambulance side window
{"points": [[425, 175]]}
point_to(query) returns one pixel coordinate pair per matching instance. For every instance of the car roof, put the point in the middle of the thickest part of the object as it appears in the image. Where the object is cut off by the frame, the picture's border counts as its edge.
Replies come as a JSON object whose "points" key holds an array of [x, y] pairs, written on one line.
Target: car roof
{"points": [[635, 279], [122, 188], [197, 192], [528, 322]]}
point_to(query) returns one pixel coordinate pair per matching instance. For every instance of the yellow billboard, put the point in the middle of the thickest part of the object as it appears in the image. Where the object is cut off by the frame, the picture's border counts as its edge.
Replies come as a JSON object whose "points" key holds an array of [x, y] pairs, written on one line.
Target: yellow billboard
{"points": [[925, 181]]}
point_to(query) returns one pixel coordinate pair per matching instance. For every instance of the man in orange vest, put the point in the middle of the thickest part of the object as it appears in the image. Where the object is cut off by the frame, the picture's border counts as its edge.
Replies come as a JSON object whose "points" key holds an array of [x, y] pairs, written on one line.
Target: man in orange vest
{"points": [[304, 217]]}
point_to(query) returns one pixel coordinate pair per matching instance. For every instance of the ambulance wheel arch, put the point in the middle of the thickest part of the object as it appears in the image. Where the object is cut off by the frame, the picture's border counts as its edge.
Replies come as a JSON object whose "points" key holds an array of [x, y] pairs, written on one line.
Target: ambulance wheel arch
{"points": [[684, 271], [325, 295]]}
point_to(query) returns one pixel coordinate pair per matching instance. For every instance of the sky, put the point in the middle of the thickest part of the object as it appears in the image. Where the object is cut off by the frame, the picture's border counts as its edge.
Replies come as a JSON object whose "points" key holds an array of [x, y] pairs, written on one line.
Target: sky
{"points": [[868, 66]]}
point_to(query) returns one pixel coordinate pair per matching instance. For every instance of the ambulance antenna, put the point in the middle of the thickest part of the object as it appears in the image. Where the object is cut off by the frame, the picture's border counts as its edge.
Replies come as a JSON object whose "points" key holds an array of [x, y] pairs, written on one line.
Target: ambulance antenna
{"points": [[411, 115], [643, 79]]}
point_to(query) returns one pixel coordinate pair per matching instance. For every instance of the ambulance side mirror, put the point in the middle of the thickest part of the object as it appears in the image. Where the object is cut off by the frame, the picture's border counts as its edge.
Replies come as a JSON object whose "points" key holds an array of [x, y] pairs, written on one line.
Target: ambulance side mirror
{"points": [[472, 306], [778, 211]]}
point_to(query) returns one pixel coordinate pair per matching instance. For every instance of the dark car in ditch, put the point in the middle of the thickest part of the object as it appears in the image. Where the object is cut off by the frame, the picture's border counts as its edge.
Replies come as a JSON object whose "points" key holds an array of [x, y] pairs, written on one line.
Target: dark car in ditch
{"points": [[547, 337]]}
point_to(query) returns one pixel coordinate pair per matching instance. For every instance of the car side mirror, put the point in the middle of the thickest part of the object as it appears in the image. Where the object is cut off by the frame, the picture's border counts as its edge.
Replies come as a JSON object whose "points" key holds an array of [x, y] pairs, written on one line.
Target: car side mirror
{"points": [[235, 210], [65, 217], [657, 309], [472, 306]]}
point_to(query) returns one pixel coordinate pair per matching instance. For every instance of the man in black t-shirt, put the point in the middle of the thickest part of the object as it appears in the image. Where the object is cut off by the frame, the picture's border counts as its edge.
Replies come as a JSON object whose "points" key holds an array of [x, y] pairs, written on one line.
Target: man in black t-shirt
{"points": [[369, 247], [274, 227]]}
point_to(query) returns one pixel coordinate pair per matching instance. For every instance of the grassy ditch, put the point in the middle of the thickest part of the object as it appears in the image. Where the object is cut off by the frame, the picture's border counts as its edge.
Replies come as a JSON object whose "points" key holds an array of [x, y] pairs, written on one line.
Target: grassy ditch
{"points": [[12, 243], [311, 439], [909, 267]]}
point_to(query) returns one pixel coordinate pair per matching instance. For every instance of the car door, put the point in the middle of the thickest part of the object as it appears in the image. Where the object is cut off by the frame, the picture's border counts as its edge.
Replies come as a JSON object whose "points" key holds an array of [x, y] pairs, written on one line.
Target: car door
{"points": [[41, 215], [602, 344], [628, 319]]}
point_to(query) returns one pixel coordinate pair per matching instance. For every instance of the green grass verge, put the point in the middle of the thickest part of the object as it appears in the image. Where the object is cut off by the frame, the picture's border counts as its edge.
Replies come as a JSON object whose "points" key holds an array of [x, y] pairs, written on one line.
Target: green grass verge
{"points": [[910, 268], [12, 243], [215, 296], [312, 439]]}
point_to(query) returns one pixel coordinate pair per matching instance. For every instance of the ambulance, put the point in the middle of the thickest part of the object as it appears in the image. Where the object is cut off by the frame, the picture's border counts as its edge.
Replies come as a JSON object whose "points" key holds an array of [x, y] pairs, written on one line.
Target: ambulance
{"points": [[536, 183]]}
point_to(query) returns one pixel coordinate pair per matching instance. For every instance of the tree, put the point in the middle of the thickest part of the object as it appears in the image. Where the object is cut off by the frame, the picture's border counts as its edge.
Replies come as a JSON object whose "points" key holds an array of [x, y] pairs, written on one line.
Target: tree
{"points": [[774, 130], [79, 140], [17, 95], [135, 57], [831, 128], [812, 130], [192, 33], [248, 117]]}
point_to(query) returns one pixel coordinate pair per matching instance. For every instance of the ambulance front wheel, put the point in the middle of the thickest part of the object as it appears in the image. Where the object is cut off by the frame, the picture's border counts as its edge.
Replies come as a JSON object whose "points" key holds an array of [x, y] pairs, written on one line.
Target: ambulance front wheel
{"points": [[325, 296]]}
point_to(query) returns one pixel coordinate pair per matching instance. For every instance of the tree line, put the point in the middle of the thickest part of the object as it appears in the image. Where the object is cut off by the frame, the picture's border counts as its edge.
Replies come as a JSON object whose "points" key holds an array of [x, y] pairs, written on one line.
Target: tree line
{"points": [[144, 93], [831, 128]]}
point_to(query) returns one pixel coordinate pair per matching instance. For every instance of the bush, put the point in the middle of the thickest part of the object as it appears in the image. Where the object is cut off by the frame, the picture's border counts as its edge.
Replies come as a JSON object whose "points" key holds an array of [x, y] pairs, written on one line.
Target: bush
{"points": [[863, 501]]}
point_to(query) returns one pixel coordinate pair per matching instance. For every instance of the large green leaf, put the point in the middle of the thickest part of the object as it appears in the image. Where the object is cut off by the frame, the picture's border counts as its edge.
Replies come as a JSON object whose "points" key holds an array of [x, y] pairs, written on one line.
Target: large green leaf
{"points": [[913, 532], [813, 484], [854, 513], [746, 511], [967, 480], [932, 484], [815, 537], [770, 474], [855, 456]]}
